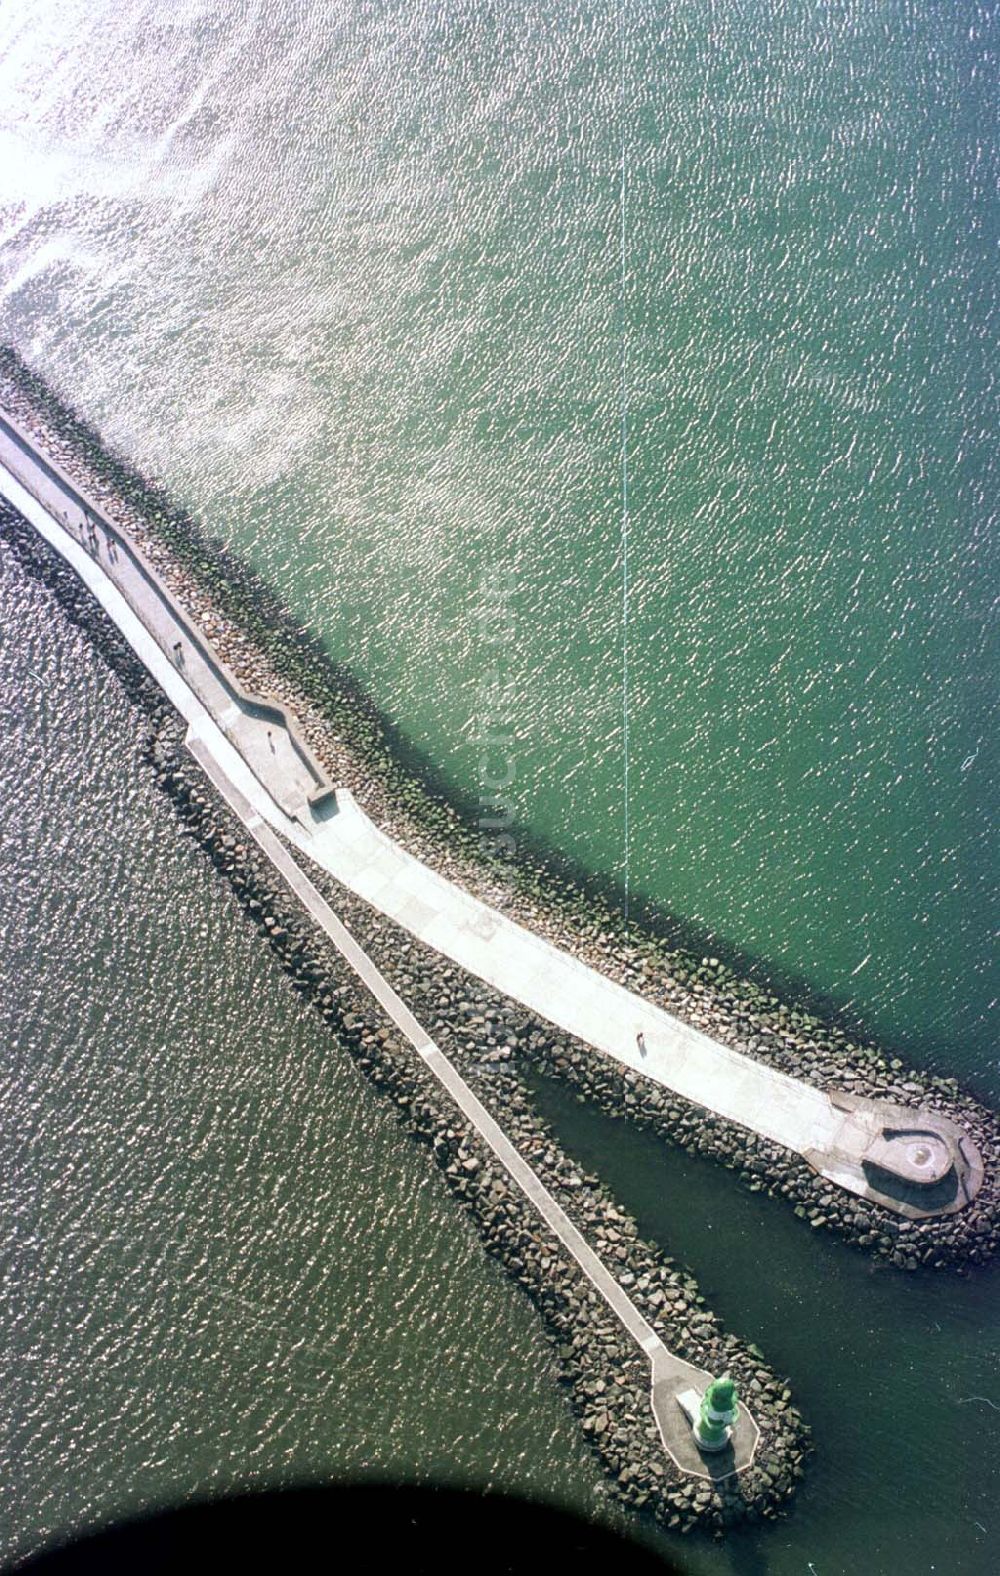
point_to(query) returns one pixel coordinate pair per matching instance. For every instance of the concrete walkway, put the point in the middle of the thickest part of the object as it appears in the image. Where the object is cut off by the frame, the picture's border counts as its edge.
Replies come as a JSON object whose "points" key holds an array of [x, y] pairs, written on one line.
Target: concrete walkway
{"points": [[256, 744], [669, 1375], [261, 730], [242, 789], [514, 960]]}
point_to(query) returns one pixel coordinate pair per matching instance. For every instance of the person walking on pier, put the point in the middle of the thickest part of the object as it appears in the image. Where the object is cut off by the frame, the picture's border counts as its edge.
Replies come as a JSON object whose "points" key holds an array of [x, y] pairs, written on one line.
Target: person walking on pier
{"points": [[640, 1041]]}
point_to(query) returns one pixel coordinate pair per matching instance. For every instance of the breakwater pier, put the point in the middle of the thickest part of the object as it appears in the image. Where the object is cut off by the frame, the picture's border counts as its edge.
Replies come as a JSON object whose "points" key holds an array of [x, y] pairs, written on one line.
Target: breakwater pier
{"points": [[665, 1467], [917, 1166], [281, 793]]}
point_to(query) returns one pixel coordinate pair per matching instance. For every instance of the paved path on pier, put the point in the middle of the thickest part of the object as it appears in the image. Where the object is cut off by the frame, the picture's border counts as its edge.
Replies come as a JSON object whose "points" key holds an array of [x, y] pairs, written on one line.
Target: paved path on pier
{"points": [[264, 760], [669, 1375], [243, 790], [260, 728]]}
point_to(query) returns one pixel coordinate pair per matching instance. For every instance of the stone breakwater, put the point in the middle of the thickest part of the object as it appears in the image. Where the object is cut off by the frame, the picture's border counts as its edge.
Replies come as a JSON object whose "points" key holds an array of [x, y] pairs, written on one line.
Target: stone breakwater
{"points": [[270, 654], [477, 1026], [606, 1375]]}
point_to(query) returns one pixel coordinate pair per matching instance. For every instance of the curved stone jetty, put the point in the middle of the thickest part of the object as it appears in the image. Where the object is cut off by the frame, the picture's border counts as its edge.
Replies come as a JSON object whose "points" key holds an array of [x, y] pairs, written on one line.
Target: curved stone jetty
{"points": [[916, 1164], [607, 1298], [162, 640], [670, 1376]]}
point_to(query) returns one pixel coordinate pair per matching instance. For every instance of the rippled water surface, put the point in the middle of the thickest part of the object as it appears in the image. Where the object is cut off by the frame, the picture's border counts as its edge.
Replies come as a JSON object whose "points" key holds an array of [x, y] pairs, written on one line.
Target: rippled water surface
{"points": [[349, 277], [223, 1262]]}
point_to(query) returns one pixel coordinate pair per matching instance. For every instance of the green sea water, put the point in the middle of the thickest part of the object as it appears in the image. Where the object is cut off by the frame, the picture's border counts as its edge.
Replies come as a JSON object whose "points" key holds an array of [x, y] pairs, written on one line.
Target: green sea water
{"points": [[378, 290], [350, 278]]}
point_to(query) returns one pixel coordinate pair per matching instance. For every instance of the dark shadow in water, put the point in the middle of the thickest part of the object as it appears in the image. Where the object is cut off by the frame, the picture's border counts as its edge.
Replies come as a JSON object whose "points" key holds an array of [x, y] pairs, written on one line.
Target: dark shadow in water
{"points": [[747, 1554], [400, 1527]]}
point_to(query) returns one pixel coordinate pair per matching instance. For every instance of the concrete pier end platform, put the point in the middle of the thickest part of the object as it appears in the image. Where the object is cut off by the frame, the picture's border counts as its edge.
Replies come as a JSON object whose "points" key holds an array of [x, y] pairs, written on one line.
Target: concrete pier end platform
{"points": [[916, 1163], [670, 1386]]}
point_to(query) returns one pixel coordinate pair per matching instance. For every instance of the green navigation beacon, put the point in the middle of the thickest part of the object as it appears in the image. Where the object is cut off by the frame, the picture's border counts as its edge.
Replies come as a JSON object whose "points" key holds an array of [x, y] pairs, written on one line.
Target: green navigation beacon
{"points": [[714, 1427]]}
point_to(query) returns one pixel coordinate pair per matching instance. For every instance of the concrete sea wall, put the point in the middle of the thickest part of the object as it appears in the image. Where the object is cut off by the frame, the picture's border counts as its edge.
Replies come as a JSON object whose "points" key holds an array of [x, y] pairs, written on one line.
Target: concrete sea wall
{"points": [[267, 652], [605, 1374]]}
